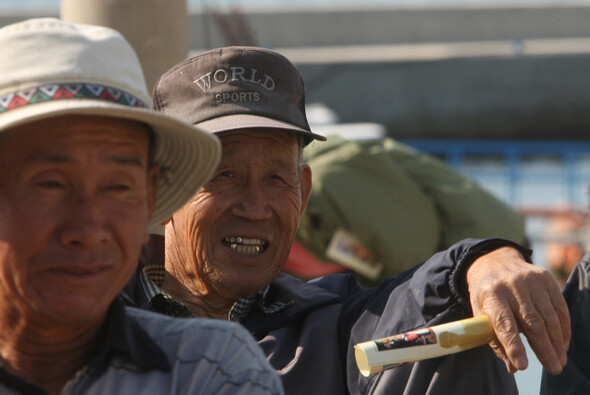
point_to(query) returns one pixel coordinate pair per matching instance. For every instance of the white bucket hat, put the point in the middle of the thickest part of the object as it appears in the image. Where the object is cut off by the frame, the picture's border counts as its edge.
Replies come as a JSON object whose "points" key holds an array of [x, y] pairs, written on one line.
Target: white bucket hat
{"points": [[49, 67]]}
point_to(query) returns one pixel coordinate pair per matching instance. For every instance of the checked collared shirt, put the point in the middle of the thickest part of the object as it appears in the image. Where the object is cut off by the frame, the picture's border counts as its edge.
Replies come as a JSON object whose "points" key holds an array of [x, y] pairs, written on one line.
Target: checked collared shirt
{"points": [[149, 292]]}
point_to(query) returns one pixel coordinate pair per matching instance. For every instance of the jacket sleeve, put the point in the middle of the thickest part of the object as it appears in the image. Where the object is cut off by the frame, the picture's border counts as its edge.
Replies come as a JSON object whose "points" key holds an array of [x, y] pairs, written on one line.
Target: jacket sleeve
{"points": [[575, 377], [429, 294]]}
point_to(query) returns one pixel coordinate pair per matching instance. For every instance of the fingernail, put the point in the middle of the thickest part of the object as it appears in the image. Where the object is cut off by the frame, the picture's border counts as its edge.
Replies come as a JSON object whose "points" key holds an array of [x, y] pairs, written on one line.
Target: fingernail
{"points": [[563, 360], [555, 367], [521, 363]]}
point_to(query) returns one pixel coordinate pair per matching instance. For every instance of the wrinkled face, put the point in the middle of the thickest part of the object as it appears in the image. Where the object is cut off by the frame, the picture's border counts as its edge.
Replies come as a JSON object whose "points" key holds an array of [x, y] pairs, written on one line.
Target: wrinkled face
{"points": [[76, 196], [234, 237]]}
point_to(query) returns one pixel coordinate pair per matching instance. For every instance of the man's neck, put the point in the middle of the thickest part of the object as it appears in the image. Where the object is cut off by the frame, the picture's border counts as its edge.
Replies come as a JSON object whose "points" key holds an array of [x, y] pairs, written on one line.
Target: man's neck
{"points": [[200, 302], [48, 357]]}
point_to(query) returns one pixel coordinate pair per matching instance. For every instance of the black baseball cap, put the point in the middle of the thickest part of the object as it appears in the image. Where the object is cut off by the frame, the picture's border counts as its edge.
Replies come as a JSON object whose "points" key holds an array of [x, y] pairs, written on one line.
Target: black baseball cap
{"points": [[235, 88]]}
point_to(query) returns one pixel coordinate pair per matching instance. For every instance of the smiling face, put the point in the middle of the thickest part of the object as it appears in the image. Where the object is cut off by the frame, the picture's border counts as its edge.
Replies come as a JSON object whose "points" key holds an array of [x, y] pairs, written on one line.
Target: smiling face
{"points": [[75, 200], [234, 237]]}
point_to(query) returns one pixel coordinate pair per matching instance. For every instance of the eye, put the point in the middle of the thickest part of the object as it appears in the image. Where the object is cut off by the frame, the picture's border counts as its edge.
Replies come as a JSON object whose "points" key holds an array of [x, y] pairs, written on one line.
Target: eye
{"points": [[50, 184], [121, 182], [283, 178], [119, 187], [223, 175], [49, 180]]}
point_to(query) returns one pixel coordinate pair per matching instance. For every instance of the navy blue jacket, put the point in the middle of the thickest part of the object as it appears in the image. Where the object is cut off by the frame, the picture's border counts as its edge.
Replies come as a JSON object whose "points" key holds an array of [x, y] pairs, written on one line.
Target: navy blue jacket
{"points": [[575, 377], [310, 343]]}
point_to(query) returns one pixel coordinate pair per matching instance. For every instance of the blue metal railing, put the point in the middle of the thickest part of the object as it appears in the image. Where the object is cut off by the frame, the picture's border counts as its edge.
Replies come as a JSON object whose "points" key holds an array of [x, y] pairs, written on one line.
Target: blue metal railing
{"points": [[568, 157]]}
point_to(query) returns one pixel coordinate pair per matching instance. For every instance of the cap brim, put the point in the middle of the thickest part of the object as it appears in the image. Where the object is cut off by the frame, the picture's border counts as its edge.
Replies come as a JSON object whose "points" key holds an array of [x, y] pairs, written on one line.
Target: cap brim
{"points": [[187, 155], [228, 123]]}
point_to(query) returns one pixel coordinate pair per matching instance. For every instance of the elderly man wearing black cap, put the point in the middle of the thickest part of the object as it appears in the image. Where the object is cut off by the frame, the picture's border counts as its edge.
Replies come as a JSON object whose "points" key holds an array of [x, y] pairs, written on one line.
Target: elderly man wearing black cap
{"points": [[225, 249], [81, 156]]}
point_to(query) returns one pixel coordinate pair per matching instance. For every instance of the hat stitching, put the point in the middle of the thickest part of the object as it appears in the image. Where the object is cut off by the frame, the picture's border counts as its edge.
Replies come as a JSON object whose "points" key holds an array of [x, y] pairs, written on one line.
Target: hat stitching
{"points": [[50, 92]]}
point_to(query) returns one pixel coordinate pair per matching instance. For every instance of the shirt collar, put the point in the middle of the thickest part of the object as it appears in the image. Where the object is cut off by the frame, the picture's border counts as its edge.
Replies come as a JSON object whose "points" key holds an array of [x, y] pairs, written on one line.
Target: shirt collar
{"points": [[149, 292], [120, 335], [125, 335]]}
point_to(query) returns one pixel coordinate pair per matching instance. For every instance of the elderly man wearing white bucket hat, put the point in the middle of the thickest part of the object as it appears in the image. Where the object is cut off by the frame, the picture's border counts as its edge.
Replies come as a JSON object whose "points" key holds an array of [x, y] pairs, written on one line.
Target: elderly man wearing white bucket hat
{"points": [[87, 167]]}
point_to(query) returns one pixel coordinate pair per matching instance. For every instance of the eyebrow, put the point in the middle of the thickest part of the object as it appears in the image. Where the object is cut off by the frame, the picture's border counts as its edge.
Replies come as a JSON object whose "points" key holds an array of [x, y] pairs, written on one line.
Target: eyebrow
{"points": [[44, 157]]}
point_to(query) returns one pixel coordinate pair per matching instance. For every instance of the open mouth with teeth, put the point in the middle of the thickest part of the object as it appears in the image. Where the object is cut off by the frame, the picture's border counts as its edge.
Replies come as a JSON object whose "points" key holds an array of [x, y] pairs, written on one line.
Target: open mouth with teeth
{"points": [[242, 245]]}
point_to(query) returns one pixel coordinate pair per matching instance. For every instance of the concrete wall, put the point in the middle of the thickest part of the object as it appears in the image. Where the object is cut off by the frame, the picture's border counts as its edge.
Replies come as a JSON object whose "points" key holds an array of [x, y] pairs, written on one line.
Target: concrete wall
{"points": [[472, 90], [520, 72], [396, 25], [498, 98]]}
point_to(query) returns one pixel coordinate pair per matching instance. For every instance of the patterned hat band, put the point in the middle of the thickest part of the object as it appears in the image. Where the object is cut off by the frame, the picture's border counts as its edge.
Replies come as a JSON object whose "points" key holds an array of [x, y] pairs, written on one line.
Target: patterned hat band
{"points": [[44, 93]]}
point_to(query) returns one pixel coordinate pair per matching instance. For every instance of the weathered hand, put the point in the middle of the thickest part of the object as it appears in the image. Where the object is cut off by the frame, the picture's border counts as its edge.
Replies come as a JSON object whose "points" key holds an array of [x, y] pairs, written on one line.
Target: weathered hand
{"points": [[520, 297]]}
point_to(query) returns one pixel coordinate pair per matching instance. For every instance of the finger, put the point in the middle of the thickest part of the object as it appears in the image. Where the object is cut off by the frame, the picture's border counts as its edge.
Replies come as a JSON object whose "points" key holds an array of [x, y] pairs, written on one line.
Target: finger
{"points": [[508, 336], [547, 344], [507, 332], [562, 312], [553, 310], [541, 326], [499, 351]]}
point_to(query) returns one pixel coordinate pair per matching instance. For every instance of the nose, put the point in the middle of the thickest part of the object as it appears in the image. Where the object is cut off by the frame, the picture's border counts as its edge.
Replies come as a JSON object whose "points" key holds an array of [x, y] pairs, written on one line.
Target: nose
{"points": [[252, 202], [84, 225]]}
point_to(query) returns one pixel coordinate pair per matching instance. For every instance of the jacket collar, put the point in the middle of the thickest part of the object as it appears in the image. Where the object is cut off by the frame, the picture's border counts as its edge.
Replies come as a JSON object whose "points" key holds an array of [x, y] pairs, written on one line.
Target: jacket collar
{"points": [[299, 298]]}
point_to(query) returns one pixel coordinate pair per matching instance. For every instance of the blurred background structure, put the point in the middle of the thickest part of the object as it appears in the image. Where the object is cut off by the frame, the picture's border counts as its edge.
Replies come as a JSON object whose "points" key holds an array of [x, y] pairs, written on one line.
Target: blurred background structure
{"points": [[157, 30], [499, 89]]}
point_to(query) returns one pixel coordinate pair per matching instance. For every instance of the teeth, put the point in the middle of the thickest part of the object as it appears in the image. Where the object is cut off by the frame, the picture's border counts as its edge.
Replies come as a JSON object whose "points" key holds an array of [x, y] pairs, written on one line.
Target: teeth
{"points": [[246, 246], [250, 250], [250, 242]]}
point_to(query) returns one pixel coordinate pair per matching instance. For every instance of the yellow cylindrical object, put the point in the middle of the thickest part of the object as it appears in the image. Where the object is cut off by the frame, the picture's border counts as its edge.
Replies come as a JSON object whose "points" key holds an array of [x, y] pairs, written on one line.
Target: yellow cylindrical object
{"points": [[376, 355]]}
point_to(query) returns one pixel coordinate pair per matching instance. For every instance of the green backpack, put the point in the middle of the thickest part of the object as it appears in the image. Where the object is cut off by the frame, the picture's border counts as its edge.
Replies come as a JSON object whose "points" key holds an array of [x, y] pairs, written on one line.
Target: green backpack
{"points": [[380, 207]]}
